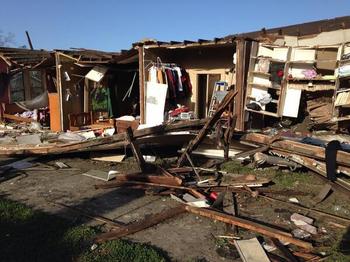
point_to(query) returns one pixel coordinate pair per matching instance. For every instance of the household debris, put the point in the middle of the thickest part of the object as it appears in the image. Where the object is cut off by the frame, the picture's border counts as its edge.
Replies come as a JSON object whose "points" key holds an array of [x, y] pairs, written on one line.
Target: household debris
{"points": [[290, 87]]}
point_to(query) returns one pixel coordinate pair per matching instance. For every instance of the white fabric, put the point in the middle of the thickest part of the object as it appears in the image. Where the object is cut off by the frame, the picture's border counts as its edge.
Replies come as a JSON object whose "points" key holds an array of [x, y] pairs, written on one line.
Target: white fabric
{"points": [[153, 74], [178, 70], [155, 103]]}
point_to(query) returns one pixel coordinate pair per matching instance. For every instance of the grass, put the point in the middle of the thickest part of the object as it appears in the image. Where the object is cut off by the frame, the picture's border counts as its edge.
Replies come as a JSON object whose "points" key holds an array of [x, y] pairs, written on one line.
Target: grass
{"points": [[281, 179], [28, 235]]}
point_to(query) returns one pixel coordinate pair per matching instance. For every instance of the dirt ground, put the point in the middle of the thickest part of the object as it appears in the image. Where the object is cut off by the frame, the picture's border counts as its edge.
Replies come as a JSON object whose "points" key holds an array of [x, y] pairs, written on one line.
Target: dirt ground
{"points": [[186, 237]]}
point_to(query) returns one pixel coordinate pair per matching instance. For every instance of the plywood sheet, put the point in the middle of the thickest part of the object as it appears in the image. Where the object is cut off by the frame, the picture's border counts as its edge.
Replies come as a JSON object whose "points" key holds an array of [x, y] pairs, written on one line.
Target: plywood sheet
{"points": [[97, 73], [292, 102], [250, 250]]}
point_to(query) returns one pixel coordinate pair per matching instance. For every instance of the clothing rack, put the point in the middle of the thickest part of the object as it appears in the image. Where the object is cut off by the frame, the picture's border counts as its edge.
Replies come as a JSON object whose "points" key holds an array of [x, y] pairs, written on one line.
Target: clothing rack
{"points": [[160, 64]]}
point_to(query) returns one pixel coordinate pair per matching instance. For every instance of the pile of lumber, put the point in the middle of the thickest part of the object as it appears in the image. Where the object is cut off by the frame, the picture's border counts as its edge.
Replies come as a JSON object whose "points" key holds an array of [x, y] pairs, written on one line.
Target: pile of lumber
{"points": [[320, 112], [157, 134]]}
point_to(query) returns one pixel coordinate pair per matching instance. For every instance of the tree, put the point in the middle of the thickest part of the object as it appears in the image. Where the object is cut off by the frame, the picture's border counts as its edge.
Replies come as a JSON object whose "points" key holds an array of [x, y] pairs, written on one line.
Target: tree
{"points": [[6, 39]]}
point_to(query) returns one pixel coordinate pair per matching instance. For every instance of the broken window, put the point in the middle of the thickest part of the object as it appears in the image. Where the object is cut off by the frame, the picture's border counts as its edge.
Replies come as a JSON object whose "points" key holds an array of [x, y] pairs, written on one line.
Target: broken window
{"points": [[17, 88], [36, 83]]}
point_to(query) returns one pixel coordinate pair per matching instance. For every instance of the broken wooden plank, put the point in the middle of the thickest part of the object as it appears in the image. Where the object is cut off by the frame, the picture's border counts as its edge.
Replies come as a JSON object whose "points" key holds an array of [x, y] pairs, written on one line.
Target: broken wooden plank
{"points": [[147, 222], [147, 184], [206, 128], [259, 149], [319, 168], [289, 255], [166, 180], [193, 167], [108, 221], [135, 149], [18, 118], [109, 158], [183, 169], [311, 210], [231, 123], [343, 158], [243, 223], [101, 143]]}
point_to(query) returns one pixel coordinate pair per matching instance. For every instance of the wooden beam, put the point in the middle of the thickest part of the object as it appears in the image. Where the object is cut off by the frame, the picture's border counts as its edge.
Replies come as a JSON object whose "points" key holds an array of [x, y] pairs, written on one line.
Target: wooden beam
{"points": [[166, 180], [86, 96], [307, 209], [92, 216], [289, 255], [142, 83], [147, 222], [319, 168], [253, 226], [59, 87], [229, 133], [135, 149], [240, 72], [343, 158], [204, 131], [18, 118]]}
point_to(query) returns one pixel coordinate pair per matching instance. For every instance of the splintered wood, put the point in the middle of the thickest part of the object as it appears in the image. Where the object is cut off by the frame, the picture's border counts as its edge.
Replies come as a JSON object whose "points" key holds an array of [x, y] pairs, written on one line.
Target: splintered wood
{"points": [[147, 222], [206, 128], [243, 223]]}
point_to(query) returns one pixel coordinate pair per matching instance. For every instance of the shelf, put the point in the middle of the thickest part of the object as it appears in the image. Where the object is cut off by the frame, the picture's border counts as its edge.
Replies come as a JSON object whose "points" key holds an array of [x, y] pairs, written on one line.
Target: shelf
{"points": [[344, 77], [302, 62], [345, 106], [268, 58], [260, 73], [343, 90], [311, 80], [262, 112], [339, 119], [262, 86], [272, 101]]}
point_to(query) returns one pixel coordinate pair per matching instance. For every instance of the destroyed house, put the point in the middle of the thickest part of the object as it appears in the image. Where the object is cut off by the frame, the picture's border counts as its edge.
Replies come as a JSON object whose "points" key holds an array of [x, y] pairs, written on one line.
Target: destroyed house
{"points": [[68, 89], [297, 76], [95, 87], [287, 76], [26, 78]]}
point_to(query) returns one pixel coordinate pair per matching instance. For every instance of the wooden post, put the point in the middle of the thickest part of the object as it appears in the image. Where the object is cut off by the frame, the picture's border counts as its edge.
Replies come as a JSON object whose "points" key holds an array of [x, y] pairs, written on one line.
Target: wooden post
{"points": [[240, 76], [142, 84], [86, 96], [228, 134], [59, 87], [135, 149], [204, 131]]}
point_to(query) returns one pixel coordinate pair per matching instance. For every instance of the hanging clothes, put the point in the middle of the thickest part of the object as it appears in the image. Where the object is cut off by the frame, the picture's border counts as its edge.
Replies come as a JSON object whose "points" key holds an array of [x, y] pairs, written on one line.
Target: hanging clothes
{"points": [[152, 74], [186, 83], [179, 84], [171, 83]]}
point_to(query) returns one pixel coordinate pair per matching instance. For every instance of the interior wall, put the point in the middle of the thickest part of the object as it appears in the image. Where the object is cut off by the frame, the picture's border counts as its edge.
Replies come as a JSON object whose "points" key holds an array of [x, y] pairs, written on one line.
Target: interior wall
{"points": [[217, 59], [75, 85]]}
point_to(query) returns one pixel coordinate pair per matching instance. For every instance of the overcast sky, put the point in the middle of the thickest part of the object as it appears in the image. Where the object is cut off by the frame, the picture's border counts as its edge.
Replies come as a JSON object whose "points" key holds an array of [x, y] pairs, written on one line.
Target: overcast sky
{"points": [[113, 25]]}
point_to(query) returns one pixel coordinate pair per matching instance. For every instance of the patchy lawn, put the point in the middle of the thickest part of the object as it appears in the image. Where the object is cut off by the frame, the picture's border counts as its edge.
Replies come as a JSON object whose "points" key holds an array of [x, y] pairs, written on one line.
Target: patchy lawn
{"points": [[27, 235]]}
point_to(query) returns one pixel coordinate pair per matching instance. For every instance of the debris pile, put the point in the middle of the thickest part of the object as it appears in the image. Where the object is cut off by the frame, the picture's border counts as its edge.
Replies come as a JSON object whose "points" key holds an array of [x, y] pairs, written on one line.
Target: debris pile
{"points": [[207, 191]]}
